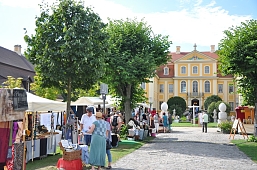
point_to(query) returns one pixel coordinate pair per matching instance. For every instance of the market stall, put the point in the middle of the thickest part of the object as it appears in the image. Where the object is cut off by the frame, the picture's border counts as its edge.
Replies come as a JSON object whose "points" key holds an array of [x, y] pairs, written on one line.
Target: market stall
{"points": [[13, 103], [42, 112]]}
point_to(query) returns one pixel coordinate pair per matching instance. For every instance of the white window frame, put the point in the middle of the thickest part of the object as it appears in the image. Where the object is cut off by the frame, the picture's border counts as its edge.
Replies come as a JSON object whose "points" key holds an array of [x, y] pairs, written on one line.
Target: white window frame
{"points": [[183, 90], [195, 70], [220, 85], [231, 104], [183, 70], [161, 88], [207, 89], [207, 69], [195, 89], [171, 88], [166, 70], [230, 88]]}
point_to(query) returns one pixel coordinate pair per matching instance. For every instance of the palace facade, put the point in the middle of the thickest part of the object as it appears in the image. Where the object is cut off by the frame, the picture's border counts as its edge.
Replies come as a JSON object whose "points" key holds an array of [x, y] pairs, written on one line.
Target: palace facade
{"points": [[193, 76]]}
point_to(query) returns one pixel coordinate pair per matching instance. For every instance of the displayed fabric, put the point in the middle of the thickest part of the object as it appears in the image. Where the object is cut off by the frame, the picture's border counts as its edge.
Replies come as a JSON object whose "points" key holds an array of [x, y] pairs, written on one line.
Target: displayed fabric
{"points": [[29, 149], [11, 132], [18, 155], [15, 130], [19, 132], [85, 154], [4, 140], [9, 162], [69, 165], [43, 146]]}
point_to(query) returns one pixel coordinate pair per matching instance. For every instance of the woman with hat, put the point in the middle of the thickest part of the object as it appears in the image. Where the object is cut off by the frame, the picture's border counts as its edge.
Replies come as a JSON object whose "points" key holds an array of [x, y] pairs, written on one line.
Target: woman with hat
{"points": [[98, 142]]}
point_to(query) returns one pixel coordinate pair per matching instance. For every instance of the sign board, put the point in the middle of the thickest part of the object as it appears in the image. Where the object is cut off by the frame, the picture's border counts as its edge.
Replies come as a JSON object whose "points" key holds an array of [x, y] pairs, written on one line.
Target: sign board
{"points": [[103, 88], [238, 126], [13, 104]]}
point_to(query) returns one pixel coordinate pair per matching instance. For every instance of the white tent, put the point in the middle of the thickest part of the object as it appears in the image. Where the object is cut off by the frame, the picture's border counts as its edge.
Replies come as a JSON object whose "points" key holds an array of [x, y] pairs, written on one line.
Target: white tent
{"points": [[89, 101], [40, 104]]}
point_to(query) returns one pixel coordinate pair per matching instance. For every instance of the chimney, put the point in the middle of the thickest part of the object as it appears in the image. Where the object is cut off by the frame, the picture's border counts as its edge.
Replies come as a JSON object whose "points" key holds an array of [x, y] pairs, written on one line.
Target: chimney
{"points": [[17, 49], [177, 49], [212, 48]]}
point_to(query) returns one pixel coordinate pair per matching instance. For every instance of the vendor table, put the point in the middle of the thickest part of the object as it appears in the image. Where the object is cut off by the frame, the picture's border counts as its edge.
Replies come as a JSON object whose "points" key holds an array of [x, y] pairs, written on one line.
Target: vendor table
{"points": [[69, 165]]}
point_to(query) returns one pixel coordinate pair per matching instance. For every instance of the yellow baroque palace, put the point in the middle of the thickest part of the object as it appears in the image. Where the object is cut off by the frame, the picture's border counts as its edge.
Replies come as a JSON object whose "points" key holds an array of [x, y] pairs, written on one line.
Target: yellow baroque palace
{"points": [[193, 76]]}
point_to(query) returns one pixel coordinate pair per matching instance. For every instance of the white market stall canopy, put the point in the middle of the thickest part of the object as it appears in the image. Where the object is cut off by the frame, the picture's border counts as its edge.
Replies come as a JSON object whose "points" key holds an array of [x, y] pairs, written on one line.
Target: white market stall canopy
{"points": [[40, 104], [89, 101]]}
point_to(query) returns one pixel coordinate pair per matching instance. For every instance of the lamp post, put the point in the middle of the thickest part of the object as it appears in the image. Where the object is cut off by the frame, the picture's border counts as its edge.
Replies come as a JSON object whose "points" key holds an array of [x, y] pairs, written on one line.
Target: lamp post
{"points": [[104, 91]]}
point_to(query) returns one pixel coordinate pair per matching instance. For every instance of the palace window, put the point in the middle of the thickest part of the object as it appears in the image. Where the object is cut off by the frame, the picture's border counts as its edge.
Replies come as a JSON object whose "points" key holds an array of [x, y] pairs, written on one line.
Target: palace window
{"points": [[232, 106], [195, 86], [206, 69], [183, 87], [183, 70], [143, 85], [195, 70], [170, 88], [207, 87], [166, 70], [230, 88], [161, 88], [220, 88]]}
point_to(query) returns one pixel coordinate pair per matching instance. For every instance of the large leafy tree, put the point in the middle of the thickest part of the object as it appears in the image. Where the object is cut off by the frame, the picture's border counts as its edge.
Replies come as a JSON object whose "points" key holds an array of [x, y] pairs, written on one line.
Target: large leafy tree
{"points": [[210, 99], [135, 54], [177, 103], [238, 56], [68, 48]]}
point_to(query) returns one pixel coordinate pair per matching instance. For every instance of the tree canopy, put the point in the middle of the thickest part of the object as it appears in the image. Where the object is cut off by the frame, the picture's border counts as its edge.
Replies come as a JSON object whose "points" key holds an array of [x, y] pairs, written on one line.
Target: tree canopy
{"points": [[238, 56], [69, 47], [210, 99], [135, 52]]}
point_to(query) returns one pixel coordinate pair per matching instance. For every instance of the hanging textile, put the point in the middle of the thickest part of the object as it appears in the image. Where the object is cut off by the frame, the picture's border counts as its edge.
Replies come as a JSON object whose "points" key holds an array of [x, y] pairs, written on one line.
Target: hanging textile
{"points": [[18, 155], [9, 162], [4, 140]]}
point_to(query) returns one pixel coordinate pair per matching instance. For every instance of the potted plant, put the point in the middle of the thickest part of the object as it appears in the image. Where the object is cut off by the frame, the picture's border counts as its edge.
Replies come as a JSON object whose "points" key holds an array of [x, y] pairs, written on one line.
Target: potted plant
{"points": [[226, 126]]}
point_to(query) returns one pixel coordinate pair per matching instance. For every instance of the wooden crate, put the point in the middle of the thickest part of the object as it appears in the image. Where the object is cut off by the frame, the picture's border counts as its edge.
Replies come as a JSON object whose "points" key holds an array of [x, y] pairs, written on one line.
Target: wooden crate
{"points": [[71, 155]]}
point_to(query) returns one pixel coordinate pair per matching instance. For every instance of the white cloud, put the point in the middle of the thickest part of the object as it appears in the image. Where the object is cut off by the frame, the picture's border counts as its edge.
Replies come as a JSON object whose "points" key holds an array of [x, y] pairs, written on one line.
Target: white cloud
{"points": [[200, 24]]}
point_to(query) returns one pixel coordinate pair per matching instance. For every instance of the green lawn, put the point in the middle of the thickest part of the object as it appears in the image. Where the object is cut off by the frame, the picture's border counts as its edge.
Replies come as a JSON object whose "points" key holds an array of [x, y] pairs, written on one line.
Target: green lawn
{"points": [[249, 148], [188, 124]]}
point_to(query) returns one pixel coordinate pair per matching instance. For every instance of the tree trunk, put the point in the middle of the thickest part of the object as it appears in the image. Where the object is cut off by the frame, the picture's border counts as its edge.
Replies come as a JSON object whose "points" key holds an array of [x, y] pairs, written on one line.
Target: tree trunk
{"points": [[128, 104], [68, 101]]}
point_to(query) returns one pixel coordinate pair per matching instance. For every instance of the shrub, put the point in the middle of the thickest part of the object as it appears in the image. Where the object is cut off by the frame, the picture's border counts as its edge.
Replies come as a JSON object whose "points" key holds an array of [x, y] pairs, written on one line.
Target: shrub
{"points": [[225, 126], [252, 139]]}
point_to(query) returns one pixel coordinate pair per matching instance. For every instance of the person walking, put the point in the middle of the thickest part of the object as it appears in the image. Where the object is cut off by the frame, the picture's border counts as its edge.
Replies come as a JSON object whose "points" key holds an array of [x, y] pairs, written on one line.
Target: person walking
{"points": [[109, 139], [205, 122], [165, 122], [85, 124], [98, 144]]}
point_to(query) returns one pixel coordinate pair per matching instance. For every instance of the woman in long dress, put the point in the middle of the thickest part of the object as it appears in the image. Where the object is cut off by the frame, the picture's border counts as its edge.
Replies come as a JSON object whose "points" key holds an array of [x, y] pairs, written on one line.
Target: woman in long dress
{"points": [[98, 142]]}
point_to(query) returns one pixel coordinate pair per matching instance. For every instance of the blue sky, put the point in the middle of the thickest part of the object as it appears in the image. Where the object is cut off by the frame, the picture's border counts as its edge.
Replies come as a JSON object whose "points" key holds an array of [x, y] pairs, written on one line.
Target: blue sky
{"points": [[185, 21]]}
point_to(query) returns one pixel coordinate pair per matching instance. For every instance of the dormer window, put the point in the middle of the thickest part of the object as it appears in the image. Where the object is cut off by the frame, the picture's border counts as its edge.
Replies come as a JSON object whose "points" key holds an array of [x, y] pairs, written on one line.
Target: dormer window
{"points": [[166, 70]]}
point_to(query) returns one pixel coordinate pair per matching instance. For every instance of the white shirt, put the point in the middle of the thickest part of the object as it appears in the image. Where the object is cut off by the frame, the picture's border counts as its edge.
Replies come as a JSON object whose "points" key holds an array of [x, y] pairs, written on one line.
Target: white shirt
{"points": [[87, 122]]}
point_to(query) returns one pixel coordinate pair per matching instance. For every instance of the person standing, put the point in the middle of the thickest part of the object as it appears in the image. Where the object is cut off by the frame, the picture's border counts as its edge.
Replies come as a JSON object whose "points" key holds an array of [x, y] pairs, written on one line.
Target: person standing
{"points": [[116, 123], [205, 121], [156, 122], [165, 122], [85, 124], [97, 152]]}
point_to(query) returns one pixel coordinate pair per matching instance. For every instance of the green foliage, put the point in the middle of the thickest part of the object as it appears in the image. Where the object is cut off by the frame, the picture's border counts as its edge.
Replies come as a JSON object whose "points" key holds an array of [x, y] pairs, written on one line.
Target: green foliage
{"points": [[238, 56], [215, 105], [252, 138], [177, 103], [226, 125], [183, 118], [210, 99], [134, 55], [124, 131], [12, 82], [69, 47]]}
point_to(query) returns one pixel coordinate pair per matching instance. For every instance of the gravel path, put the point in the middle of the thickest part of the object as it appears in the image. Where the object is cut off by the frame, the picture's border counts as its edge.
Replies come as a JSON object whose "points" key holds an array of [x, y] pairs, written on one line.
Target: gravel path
{"points": [[186, 149]]}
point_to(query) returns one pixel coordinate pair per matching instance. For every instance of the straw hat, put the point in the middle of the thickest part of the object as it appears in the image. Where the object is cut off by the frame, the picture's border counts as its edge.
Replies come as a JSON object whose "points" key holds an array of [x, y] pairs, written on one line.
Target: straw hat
{"points": [[98, 115]]}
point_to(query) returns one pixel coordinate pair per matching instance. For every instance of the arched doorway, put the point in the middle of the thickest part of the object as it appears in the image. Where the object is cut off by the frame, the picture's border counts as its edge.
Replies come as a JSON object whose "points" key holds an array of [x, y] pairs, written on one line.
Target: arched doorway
{"points": [[195, 102]]}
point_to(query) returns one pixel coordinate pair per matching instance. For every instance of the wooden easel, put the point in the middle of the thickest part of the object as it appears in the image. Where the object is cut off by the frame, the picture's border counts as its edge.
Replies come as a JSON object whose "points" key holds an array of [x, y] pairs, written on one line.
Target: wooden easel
{"points": [[238, 124]]}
